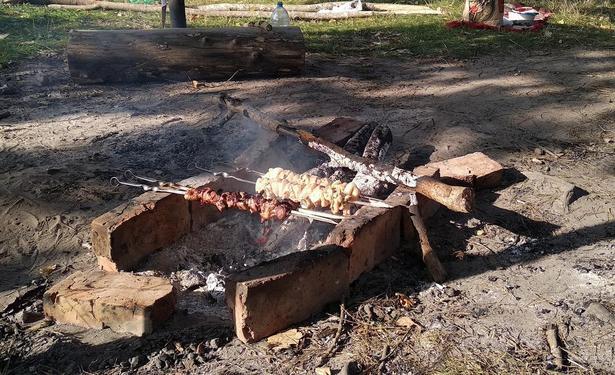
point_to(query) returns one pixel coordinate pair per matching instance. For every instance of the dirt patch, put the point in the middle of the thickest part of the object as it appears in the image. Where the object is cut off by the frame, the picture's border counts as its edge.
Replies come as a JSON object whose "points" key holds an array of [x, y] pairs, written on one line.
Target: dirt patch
{"points": [[529, 256]]}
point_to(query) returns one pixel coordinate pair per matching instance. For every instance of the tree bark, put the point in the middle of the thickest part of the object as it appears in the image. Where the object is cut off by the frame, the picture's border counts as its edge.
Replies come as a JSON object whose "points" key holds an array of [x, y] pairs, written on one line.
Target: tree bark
{"points": [[177, 9], [108, 56]]}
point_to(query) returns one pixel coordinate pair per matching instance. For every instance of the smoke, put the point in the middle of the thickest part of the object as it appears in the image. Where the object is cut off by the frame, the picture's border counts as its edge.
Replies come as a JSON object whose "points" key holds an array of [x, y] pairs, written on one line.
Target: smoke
{"points": [[241, 143]]}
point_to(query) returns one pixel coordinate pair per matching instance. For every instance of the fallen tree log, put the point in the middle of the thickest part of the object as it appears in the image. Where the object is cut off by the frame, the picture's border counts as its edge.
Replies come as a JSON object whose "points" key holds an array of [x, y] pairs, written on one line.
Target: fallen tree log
{"points": [[303, 12], [107, 56], [374, 7]]}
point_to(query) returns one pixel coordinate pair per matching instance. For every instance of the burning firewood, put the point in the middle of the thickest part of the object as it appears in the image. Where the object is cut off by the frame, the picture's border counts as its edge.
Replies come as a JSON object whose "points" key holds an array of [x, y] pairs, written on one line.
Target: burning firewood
{"points": [[455, 198]]}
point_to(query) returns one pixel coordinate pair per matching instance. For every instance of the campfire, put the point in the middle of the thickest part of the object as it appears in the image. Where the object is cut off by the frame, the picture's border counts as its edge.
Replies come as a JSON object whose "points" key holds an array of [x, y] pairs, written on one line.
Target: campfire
{"points": [[318, 229]]}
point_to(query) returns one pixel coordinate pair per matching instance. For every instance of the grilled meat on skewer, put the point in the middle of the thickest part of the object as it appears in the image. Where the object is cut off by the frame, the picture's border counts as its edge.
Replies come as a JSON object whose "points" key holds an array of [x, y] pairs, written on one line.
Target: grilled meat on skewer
{"points": [[268, 209], [310, 191]]}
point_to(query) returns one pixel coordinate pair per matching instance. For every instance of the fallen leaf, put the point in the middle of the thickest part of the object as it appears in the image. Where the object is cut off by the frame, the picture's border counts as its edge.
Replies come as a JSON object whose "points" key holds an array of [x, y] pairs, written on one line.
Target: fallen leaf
{"points": [[285, 340], [323, 371], [48, 270], [39, 325], [406, 321], [3, 36], [405, 301], [201, 348]]}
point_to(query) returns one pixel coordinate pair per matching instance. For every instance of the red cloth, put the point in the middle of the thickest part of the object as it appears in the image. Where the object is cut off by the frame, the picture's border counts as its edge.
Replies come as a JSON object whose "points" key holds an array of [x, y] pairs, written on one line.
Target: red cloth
{"points": [[539, 21]]}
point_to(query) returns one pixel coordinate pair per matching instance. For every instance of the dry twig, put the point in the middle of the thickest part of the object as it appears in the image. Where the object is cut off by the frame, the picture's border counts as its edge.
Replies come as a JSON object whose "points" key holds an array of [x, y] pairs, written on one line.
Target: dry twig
{"points": [[336, 338], [554, 345]]}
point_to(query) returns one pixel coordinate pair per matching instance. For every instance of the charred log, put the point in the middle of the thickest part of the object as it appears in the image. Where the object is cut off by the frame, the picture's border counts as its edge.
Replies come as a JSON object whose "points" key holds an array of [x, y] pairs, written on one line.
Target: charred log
{"points": [[455, 198], [376, 148]]}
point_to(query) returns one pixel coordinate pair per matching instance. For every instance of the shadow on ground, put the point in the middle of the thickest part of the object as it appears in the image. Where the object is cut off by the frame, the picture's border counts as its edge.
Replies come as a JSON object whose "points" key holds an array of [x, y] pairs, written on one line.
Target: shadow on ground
{"points": [[435, 109]]}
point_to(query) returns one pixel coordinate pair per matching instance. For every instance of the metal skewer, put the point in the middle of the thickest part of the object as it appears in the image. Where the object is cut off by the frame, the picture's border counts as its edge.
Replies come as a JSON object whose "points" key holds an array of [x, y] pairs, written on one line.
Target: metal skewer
{"points": [[116, 182], [164, 184], [224, 174], [171, 187], [375, 204], [324, 214], [309, 214]]}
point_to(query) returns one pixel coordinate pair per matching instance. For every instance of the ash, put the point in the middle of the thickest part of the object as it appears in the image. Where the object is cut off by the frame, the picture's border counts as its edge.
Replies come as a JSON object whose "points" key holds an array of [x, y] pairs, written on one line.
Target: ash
{"points": [[238, 241], [199, 262]]}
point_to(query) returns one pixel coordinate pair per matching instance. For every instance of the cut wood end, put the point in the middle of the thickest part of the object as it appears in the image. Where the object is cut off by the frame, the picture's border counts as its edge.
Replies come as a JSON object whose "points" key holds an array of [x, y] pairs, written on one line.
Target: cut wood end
{"points": [[467, 200], [435, 267]]}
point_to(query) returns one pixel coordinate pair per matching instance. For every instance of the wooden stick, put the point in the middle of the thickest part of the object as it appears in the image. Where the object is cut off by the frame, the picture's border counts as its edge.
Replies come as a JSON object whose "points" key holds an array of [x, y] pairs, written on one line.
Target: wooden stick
{"points": [[455, 198], [554, 345], [110, 5], [376, 7], [336, 338], [435, 268]]}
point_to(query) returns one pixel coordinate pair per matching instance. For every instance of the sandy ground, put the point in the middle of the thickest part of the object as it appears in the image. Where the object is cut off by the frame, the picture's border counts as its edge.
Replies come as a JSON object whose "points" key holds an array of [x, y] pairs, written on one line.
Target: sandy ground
{"points": [[523, 261]]}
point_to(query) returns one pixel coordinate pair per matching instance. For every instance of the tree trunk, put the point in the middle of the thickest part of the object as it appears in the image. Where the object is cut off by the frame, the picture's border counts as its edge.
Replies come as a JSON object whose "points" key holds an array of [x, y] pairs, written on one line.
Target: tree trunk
{"points": [[178, 13], [107, 56]]}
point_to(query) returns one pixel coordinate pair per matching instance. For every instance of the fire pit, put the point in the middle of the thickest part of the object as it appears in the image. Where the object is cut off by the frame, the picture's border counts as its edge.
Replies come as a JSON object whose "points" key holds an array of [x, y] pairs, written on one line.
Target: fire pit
{"points": [[278, 267], [272, 282]]}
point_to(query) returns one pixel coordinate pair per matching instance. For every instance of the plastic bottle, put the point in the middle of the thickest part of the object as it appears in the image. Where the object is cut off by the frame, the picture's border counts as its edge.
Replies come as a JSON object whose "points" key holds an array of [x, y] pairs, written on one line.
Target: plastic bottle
{"points": [[279, 17]]}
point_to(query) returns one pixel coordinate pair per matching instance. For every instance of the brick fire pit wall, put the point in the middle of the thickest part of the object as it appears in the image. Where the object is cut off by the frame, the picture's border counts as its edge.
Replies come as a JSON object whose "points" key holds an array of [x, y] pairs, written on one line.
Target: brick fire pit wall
{"points": [[268, 297]]}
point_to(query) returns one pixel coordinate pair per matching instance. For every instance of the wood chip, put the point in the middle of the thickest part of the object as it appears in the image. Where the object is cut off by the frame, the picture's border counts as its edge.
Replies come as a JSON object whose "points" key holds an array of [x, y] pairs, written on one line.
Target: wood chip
{"points": [[554, 346], [323, 371]]}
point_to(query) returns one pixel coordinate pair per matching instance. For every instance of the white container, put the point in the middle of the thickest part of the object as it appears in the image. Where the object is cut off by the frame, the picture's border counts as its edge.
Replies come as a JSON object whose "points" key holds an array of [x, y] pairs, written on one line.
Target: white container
{"points": [[279, 17], [525, 16]]}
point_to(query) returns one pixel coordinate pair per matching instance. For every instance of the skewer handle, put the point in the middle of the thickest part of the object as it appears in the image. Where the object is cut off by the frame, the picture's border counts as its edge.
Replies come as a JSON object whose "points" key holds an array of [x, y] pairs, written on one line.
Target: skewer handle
{"points": [[455, 198]]}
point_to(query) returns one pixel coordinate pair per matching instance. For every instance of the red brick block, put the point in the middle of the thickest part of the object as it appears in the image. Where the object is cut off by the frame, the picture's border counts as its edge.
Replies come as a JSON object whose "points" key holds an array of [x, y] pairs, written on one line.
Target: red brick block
{"points": [[487, 172], [124, 236], [272, 296], [372, 235], [121, 301]]}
